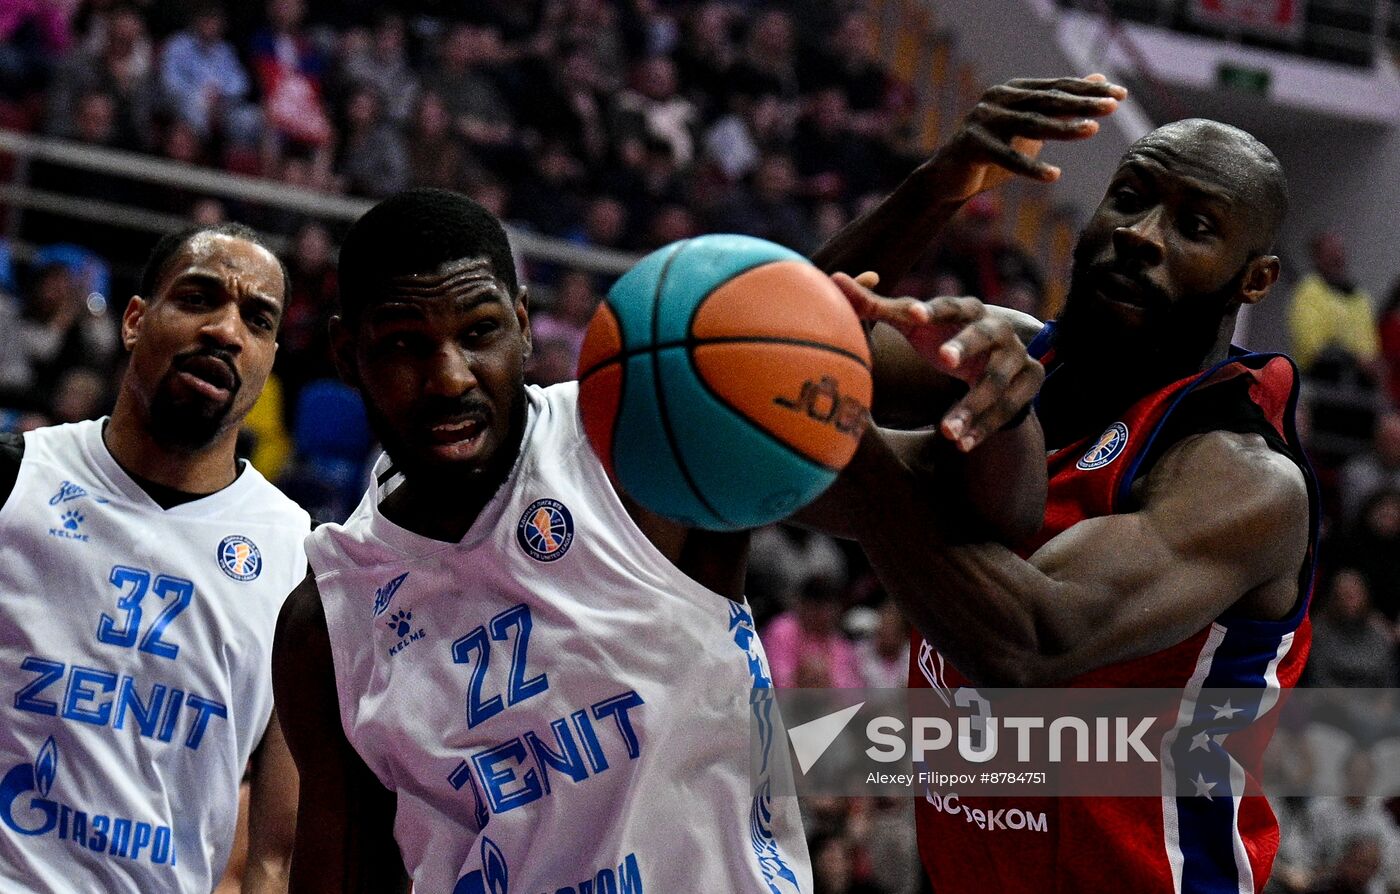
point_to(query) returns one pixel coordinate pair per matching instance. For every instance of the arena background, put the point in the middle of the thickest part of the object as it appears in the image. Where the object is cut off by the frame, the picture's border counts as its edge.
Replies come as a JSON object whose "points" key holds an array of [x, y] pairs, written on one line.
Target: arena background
{"points": [[600, 130]]}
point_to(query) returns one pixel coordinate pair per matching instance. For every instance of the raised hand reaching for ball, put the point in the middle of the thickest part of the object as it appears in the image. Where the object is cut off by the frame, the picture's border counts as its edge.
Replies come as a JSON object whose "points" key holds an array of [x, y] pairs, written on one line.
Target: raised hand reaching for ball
{"points": [[962, 340]]}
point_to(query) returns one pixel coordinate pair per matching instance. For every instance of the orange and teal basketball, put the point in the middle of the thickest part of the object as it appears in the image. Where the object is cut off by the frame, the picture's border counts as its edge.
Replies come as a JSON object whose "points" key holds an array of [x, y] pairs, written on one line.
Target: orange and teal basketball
{"points": [[724, 382]]}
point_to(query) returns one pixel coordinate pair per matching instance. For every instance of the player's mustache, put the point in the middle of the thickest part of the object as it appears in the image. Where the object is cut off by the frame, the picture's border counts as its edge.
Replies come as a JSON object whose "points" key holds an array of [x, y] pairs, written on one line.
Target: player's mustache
{"points": [[181, 361], [1149, 294], [438, 410]]}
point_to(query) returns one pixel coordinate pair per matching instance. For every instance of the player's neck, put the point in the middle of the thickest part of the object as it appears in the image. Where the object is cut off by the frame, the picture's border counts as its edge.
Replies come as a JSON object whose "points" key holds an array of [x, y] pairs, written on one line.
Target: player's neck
{"points": [[202, 470], [442, 505], [1074, 404], [423, 510], [1080, 398]]}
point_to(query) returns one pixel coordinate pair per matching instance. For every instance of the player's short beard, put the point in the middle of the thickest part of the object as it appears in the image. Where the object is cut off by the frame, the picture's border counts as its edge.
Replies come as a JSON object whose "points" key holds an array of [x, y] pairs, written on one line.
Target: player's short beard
{"points": [[185, 425], [447, 478], [1173, 341]]}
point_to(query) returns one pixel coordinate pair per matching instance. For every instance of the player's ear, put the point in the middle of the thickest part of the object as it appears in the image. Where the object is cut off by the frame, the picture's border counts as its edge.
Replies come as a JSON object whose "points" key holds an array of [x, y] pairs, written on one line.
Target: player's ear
{"points": [[522, 316], [1260, 276], [131, 321], [343, 351]]}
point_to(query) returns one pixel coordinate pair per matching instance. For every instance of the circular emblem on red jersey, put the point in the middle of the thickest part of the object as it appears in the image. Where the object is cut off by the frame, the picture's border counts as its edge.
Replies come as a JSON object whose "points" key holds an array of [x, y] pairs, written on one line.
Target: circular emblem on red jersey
{"points": [[1106, 449], [545, 530]]}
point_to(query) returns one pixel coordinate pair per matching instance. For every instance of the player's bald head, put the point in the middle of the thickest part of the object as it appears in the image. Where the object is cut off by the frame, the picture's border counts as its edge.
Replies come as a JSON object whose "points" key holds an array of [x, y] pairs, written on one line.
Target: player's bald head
{"points": [[1226, 158]]}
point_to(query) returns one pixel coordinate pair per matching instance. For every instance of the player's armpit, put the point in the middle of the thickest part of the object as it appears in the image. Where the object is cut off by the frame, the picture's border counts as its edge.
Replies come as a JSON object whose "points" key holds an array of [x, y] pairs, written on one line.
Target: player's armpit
{"points": [[344, 834], [909, 392], [996, 492], [272, 814], [11, 453], [1224, 523]]}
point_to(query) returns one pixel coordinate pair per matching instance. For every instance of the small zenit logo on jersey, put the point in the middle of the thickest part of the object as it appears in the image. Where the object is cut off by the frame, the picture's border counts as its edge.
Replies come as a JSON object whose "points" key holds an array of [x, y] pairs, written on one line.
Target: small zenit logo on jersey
{"points": [[494, 875], [67, 491], [545, 530], [385, 594], [1106, 449], [239, 557]]}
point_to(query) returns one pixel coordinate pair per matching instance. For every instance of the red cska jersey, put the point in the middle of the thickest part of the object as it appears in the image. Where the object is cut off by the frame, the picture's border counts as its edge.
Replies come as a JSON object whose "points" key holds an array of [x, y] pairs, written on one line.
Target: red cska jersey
{"points": [[1141, 844]]}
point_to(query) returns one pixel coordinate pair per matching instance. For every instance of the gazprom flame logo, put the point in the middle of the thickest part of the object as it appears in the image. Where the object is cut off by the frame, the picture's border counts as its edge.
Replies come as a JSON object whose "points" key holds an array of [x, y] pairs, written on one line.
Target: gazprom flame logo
{"points": [[545, 530], [239, 557], [1106, 449], [492, 878], [46, 767], [25, 807]]}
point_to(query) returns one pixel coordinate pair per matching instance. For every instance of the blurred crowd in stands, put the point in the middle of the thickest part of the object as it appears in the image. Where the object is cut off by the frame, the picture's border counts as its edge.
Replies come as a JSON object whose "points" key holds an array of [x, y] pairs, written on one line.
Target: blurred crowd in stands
{"points": [[614, 125], [622, 125]]}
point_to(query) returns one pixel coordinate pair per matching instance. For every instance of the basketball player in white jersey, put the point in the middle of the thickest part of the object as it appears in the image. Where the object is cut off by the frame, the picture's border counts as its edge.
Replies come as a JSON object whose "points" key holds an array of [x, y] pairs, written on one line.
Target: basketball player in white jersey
{"points": [[142, 567], [502, 675]]}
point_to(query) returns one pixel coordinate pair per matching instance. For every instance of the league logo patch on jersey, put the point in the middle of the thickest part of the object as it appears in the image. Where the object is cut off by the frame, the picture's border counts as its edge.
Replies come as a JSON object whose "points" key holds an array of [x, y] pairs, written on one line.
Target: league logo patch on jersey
{"points": [[1106, 449], [545, 530], [239, 558]]}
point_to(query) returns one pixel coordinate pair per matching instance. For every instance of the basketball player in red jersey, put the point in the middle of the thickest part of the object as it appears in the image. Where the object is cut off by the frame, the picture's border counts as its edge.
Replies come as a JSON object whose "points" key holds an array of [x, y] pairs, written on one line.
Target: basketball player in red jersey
{"points": [[1180, 528]]}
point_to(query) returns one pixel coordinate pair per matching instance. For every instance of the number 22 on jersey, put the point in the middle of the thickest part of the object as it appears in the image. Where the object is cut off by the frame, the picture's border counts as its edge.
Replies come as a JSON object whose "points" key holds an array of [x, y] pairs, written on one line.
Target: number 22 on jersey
{"points": [[475, 649]]}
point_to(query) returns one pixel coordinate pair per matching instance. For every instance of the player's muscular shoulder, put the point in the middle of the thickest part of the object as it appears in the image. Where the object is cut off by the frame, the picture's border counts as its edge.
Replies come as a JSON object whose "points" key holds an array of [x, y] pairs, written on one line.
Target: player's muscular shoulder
{"points": [[1229, 497], [302, 613], [1024, 325], [302, 637]]}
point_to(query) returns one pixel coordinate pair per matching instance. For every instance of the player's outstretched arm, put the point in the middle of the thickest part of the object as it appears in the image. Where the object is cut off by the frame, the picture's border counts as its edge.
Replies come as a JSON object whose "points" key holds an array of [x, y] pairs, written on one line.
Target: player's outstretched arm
{"points": [[999, 139], [957, 340], [344, 834], [984, 464], [1223, 522], [272, 814], [996, 493]]}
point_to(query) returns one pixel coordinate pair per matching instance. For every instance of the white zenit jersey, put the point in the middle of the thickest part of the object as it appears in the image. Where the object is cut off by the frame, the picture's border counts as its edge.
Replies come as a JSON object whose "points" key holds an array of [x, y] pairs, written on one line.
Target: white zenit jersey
{"points": [[557, 707], [135, 652]]}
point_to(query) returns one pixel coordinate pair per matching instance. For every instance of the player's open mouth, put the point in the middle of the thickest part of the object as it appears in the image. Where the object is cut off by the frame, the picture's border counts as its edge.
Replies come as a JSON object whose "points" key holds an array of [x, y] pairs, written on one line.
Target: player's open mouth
{"points": [[1119, 289], [209, 376], [458, 438]]}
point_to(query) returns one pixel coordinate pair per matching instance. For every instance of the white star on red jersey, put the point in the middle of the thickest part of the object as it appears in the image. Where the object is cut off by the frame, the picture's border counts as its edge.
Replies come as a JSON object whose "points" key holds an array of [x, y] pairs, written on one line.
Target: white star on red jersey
{"points": [[1225, 711]]}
